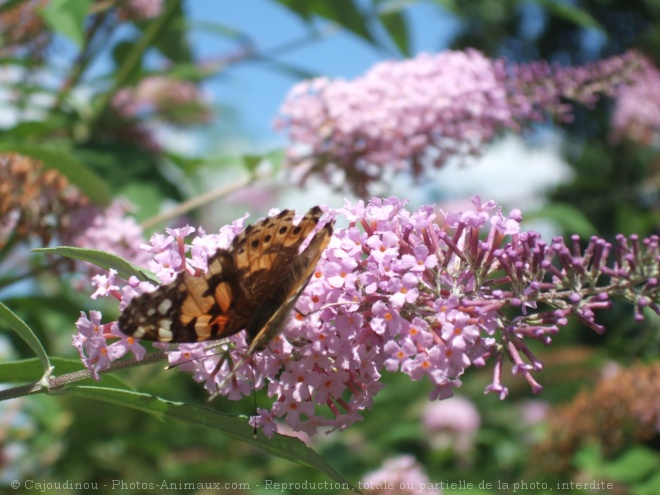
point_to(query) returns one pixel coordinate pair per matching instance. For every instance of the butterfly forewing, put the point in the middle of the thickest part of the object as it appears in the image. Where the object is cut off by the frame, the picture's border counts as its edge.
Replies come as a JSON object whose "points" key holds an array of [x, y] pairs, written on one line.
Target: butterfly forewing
{"points": [[268, 320], [264, 257]]}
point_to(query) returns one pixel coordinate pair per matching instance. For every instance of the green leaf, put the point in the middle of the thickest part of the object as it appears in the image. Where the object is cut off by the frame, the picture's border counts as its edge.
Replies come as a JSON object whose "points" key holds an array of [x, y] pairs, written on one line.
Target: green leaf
{"points": [[237, 427], [26, 333], [34, 129], [570, 219], [172, 40], [102, 259], [395, 23], [343, 12], [145, 196], [571, 13], [67, 17], [188, 165], [76, 172], [251, 162], [635, 464], [290, 70], [29, 370]]}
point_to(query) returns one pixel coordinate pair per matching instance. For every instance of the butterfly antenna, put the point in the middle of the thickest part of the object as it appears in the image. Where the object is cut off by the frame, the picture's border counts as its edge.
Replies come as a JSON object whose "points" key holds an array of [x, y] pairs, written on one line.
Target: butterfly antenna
{"points": [[318, 310], [229, 376], [212, 346], [254, 395]]}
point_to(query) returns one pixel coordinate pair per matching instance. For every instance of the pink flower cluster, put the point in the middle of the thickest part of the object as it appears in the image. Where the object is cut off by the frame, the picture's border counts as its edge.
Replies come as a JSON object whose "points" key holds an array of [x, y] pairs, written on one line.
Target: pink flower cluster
{"points": [[637, 112], [414, 114], [107, 229], [139, 10], [422, 293], [175, 101], [398, 476], [451, 424]]}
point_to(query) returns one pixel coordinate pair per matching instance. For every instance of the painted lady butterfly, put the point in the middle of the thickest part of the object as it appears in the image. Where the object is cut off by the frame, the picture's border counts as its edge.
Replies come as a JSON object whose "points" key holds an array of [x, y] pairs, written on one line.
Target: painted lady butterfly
{"points": [[253, 285]]}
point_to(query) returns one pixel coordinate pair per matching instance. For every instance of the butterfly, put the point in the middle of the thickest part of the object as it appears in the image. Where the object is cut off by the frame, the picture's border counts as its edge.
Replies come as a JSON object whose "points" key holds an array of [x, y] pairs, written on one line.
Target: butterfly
{"points": [[253, 285]]}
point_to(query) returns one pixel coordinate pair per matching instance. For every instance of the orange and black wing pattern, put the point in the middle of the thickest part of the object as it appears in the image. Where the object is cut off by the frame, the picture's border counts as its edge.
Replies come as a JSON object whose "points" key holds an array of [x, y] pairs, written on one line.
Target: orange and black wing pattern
{"points": [[254, 284], [189, 309]]}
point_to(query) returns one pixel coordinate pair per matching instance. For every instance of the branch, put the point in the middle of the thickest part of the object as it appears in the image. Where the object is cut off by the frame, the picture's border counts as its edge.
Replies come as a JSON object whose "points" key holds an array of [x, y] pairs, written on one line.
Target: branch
{"points": [[59, 382]]}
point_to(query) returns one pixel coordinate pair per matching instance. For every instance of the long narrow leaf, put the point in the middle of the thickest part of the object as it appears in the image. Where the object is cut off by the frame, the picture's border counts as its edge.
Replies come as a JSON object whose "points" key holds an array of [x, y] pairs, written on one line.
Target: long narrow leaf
{"points": [[103, 260], [346, 13], [67, 17], [26, 333], [237, 427]]}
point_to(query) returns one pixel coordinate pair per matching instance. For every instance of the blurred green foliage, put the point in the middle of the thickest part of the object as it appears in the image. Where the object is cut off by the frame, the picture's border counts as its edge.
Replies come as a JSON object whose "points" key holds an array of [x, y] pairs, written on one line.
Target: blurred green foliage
{"points": [[70, 437]]}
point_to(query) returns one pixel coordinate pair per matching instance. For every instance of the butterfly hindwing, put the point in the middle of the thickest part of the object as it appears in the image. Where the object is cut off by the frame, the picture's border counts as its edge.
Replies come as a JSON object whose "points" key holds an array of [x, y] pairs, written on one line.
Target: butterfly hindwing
{"points": [[189, 309]]}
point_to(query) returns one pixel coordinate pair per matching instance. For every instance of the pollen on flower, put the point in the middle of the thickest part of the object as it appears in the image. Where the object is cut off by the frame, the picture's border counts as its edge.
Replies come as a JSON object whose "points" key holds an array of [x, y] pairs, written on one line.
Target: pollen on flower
{"points": [[458, 330], [315, 299], [318, 274], [130, 340], [388, 316], [413, 331], [299, 317], [403, 290]]}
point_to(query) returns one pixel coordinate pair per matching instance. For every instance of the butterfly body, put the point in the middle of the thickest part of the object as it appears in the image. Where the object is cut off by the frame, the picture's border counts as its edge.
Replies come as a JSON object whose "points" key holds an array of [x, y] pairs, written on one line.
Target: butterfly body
{"points": [[253, 285]]}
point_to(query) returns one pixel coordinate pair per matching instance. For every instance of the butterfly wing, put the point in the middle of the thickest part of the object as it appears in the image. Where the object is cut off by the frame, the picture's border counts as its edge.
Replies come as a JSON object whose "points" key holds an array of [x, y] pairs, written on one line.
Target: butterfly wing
{"points": [[279, 297], [274, 271], [190, 309], [252, 285]]}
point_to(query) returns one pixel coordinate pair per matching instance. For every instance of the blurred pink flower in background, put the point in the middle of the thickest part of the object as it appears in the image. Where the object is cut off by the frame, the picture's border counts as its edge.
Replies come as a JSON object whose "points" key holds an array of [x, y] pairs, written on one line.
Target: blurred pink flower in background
{"points": [[139, 10], [398, 476], [637, 113], [174, 101], [534, 411], [416, 114], [451, 423]]}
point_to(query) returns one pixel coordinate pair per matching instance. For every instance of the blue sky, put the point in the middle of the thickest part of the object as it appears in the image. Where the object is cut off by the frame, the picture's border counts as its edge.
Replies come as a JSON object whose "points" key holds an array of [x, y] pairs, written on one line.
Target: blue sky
{"points": [[254, 90]]}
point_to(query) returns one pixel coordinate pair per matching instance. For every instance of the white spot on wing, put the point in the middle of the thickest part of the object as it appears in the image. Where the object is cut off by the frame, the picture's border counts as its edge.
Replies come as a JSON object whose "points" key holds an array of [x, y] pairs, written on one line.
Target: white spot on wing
{"points": [[164, 335], [164, 306]]}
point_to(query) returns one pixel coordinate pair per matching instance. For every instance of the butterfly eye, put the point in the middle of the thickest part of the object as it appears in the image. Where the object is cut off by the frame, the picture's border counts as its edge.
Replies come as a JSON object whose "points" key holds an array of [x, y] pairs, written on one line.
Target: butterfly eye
{"points": [[255, 244], [267, 238], [283, 230], [297, 229]]}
